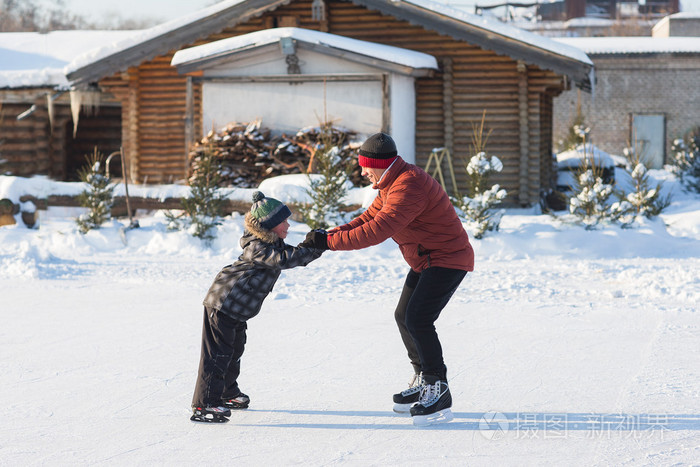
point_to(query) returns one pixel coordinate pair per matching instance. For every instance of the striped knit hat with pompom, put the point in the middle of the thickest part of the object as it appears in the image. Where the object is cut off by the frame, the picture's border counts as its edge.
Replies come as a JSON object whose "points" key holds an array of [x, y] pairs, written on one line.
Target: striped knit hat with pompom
{"points": [[268, 211]]}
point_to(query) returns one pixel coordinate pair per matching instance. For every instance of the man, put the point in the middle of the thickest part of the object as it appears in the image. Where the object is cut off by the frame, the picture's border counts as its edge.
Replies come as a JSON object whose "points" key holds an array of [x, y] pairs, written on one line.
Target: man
{"points": [[414, 210]]}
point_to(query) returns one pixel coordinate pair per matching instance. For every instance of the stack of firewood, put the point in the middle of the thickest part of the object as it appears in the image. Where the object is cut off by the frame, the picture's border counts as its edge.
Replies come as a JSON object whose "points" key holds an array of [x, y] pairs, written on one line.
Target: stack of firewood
{"points": [[249, 153]]}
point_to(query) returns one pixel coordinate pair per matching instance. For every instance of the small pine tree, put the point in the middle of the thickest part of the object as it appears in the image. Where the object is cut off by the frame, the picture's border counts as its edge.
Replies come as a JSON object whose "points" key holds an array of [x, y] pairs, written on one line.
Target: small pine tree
{"points": [[590, 200], [643, 200], [477, 208], [686, 160], [329, 189], [574, 137], [202, 209], [590, 194], [97, 196], [478, 212]]}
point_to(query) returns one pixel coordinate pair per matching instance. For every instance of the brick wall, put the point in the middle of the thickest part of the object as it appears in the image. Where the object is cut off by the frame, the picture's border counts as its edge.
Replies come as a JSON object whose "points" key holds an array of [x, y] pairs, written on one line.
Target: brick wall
{"points": [[666, 84]]}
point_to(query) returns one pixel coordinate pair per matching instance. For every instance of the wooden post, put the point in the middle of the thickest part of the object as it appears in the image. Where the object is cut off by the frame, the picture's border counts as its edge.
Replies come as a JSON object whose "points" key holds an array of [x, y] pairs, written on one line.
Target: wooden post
{"points": [[448, 104], [523, 180], [386, 104], [189, 122], [131, 127]]}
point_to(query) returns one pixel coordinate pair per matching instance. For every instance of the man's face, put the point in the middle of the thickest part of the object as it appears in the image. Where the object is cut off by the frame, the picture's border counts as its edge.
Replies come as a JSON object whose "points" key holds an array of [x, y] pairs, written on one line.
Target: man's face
{"points": [[281, 229], [372, 174]]}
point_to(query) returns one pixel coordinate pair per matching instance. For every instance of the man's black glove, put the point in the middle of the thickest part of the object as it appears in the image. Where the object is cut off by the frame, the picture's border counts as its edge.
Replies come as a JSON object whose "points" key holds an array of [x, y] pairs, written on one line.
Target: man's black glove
{"points": [[316, 239]]}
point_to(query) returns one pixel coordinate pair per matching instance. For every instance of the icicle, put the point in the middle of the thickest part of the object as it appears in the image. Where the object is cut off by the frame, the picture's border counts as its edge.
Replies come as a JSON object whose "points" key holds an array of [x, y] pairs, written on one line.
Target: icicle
{"points": [[88, 99], [49, 107], [91, 101], [75, 97]]}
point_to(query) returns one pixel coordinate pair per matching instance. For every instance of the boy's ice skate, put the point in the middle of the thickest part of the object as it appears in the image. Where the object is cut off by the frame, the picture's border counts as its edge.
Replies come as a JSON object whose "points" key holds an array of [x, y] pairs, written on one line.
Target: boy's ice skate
{"points": [[241, 401], [210, 414], [434, 405], [408, 397]]}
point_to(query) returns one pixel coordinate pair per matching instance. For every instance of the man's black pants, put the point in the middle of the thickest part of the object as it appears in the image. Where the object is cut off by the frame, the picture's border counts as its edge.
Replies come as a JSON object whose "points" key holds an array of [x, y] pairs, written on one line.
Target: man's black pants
{"points": [[423, 297], [223, 342]]}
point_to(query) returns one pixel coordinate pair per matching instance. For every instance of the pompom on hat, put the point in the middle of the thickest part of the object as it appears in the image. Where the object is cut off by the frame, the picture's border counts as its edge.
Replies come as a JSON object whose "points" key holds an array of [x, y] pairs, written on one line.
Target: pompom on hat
{"points": [[268, 211], [377, 152]]}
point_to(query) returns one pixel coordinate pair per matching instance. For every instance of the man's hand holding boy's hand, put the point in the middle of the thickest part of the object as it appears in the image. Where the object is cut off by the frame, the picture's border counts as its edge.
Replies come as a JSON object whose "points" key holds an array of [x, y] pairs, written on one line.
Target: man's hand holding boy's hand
{"points": [[316, 239]]}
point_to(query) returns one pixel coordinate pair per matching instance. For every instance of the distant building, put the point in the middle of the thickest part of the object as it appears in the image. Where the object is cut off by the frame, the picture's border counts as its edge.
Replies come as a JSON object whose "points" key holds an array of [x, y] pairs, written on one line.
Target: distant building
{"points": [[646, 92], [582, 18]]}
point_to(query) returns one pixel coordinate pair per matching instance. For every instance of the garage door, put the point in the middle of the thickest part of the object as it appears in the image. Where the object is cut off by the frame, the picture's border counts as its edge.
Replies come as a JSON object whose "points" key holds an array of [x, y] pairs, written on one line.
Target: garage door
{"points": [[288, 107]]}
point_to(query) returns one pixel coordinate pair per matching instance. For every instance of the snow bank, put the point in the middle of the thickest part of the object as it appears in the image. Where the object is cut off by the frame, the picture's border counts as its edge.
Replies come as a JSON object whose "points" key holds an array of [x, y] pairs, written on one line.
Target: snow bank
{"points": [[572, 158], [524, 234], [286, 188]]}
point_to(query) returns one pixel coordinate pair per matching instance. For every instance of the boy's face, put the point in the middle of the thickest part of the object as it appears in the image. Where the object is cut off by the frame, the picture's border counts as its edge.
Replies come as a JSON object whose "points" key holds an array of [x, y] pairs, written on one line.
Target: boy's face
{"points": [[281, 229]]}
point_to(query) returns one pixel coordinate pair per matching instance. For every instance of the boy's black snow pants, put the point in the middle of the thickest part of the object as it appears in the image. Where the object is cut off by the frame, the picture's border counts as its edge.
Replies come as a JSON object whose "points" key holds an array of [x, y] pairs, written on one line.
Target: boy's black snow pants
{"points": [[423, 297], [223, 342]]}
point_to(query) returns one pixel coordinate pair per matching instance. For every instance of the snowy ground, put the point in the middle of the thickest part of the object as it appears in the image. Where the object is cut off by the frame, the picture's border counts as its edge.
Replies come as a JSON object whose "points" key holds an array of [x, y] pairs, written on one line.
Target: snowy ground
{"points": [[564, 347]]}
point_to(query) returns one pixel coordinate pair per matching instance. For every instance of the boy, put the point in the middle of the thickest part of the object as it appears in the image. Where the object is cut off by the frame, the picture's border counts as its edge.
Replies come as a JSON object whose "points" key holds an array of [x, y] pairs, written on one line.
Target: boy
{"points": [[236, 296]]}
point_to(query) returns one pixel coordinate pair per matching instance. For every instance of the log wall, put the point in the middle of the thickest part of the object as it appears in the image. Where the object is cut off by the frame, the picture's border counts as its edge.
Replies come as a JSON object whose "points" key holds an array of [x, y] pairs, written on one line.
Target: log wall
{"points": [[32, 146], [25, 144], [153, 102]]}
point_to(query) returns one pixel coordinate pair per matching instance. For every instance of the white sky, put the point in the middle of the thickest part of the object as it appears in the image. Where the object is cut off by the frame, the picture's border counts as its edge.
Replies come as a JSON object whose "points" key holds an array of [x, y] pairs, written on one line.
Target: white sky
{"points": [[168, 9], [164, 10]]}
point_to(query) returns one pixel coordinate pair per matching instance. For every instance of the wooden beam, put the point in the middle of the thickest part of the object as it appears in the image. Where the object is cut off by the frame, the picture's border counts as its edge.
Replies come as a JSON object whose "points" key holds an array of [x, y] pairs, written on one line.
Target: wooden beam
{"points": [[448, 104], [523, 193], [386, 104], [189, 116]]}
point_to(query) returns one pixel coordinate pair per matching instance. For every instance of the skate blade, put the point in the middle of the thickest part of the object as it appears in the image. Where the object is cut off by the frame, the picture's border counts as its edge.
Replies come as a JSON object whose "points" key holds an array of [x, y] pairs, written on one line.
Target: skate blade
{"points": [[235, 406], [403, 408], [442, 416], [208, 419]]}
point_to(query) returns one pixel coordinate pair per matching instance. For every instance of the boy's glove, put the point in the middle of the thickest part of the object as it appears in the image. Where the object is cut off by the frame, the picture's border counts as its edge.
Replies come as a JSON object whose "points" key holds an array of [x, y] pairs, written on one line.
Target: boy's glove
{"points": [[316, 239]]}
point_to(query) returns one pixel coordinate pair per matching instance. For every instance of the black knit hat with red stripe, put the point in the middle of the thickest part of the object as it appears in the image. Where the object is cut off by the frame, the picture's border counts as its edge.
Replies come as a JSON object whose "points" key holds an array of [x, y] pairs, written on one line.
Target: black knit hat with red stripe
{"points": [[378, 152]]}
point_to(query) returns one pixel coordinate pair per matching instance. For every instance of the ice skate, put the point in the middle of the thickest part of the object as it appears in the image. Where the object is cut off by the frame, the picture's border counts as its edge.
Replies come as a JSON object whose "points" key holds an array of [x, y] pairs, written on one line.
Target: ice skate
{"points": [[210, 414], [408, 397], [434, 405], [241, 401]]}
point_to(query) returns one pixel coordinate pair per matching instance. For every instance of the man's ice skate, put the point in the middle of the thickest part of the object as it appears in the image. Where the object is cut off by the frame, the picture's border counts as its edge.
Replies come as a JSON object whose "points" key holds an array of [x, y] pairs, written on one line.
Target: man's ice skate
{"points": [[210, 414], [241, 401], [434, 405], [408, 397]]}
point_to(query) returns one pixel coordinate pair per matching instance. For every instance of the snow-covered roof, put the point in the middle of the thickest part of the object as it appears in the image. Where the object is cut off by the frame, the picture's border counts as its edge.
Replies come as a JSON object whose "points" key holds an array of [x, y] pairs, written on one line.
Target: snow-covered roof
{"points": [[493, 26], [148, 34], [407, 58], [32, 59], [588, 22], [685, 15], [487, 33], [633, 45]]}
